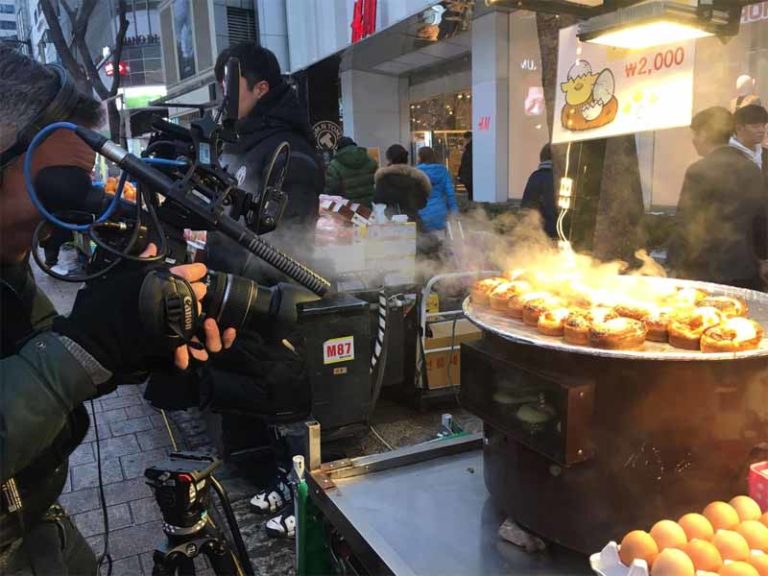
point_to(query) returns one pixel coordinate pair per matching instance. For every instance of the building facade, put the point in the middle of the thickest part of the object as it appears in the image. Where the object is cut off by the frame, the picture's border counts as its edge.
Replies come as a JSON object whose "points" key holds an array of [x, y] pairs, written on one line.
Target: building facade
{"points": [[8, 24], [192, 33]]}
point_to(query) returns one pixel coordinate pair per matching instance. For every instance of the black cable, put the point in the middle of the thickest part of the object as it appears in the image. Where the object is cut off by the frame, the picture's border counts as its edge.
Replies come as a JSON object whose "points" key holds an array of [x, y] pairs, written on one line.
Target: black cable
{"points": [[45, 268], [162, 250], [151, 148], [125, 252], [105, 555]]}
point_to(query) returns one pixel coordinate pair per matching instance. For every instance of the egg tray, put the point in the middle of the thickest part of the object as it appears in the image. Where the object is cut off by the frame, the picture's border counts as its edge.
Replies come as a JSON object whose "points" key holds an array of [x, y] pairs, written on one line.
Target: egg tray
{"points": [[607, 563], [517, 331]]}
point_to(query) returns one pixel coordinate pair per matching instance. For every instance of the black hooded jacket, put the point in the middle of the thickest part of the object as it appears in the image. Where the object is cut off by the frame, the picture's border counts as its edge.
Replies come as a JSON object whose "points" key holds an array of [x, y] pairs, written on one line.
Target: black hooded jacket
{"points": [[259, 375], [278, 117]]}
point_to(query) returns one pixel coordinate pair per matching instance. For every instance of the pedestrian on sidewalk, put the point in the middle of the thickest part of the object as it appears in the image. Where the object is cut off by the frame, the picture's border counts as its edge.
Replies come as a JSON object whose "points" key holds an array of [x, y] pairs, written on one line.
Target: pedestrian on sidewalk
{"points": [[442, 200], [465, 168], [350, 173], [403, 188], [539, 194], [749, 132]]}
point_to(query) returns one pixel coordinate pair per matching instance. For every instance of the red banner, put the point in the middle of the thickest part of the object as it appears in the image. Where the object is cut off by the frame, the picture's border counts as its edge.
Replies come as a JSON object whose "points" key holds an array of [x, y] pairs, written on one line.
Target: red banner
{"points": [[363, 19]]}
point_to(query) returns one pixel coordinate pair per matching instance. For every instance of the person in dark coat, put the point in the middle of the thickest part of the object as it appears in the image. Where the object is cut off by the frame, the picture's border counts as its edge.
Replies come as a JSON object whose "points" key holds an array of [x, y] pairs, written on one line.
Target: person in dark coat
{"points": [[264, 375], [350, 173], [403, 188], [715, 237], [539, 192], [465, 168]]}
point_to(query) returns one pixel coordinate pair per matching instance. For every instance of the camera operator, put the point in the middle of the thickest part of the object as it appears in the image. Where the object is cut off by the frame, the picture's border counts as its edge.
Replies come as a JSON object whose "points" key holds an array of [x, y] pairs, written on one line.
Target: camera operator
{"points": [[50, 364], [264, 373]]}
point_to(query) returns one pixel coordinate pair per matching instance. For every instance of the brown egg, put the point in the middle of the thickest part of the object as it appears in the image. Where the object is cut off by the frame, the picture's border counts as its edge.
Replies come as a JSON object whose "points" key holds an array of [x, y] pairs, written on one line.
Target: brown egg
{"points": [[668, 534], [638, 544], [755, 533], [760, 563], [738, 569], [722, 516], [696, 526], [672, 562], [746, 508], [704, 555], [731, 545]]}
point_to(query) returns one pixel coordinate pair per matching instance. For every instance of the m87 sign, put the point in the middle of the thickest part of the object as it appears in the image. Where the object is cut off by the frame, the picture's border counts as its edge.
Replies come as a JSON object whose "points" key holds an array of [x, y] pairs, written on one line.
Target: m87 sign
{"points": [[339, 350], [606, 91]]}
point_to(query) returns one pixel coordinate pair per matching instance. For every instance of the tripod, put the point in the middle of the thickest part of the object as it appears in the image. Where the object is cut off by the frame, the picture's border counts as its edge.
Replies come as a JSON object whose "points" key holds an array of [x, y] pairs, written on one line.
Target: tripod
{"points": [[182, 490], [177, 555]]}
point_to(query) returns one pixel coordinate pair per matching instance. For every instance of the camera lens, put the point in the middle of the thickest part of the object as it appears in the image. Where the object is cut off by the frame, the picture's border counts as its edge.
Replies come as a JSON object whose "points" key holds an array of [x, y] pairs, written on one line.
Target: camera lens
{"points": [[235, 302]]}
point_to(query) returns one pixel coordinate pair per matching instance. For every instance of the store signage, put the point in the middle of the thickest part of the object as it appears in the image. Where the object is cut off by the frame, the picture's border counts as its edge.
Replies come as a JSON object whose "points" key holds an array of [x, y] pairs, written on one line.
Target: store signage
{"points": [[363, 19], [605, 91], [484, 124], [754, 13], [327, 135], [339, 350]]}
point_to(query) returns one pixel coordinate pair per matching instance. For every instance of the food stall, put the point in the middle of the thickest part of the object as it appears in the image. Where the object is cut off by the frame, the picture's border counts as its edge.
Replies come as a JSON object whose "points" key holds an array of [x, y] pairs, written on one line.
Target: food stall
{"points": [[609, 401]]}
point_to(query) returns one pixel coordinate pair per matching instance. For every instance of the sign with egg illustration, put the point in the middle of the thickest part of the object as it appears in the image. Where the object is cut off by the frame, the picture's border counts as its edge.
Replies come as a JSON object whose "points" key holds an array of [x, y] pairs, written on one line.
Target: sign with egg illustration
{"points": [[604, 91]]}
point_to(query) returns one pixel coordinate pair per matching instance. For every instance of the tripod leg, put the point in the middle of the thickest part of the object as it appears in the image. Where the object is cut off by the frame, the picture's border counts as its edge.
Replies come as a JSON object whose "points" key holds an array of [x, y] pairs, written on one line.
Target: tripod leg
{"points": [[222, 559], [175, 564]]}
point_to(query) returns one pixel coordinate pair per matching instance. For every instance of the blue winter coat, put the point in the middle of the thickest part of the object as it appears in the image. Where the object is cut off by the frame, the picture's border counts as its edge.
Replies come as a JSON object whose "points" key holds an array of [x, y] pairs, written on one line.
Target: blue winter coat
{"points": [[442, 200]]}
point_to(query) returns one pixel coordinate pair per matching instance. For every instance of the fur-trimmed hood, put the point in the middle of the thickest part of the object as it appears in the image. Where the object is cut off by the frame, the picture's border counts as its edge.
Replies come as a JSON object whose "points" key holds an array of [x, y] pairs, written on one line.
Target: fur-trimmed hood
{"points": [[404, 170]]}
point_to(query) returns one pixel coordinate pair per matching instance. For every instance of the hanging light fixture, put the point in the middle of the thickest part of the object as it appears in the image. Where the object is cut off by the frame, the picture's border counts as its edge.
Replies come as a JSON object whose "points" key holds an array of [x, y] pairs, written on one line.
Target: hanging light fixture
{"points": [[661, 22]]}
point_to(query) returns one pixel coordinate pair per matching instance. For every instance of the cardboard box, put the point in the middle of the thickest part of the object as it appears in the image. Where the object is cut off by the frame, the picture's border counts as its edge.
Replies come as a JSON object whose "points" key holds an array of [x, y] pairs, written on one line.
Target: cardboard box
{"points": [[443, 367]]}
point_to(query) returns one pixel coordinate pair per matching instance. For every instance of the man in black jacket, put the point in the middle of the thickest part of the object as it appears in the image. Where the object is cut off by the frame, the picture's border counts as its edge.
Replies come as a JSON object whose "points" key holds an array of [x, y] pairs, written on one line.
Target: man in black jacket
{"points": [[721, 203], [465, 168], [539, 192], [264, 372]]}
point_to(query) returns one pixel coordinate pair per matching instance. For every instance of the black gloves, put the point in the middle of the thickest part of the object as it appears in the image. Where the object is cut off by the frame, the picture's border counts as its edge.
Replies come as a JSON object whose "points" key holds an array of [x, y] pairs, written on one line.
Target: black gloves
{"points": [[107, 321]]}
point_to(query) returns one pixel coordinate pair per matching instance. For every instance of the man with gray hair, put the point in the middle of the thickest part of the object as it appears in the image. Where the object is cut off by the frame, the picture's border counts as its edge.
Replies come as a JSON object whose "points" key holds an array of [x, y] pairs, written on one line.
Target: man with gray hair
{"points": [[50, 365]]}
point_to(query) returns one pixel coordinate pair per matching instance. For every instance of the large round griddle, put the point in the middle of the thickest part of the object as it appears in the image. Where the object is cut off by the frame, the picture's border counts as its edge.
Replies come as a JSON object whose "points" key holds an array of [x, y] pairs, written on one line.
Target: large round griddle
{"points": [[517, 331]]}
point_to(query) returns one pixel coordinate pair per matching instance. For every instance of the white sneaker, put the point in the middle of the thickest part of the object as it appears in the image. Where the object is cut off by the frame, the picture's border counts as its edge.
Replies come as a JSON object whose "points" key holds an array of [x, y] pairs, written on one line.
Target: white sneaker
{"points": [[273, 499], [283, 525]]}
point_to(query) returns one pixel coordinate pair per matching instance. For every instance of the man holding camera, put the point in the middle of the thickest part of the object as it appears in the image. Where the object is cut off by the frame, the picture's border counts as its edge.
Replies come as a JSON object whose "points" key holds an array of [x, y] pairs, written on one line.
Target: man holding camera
{"points": [[50, 365]]}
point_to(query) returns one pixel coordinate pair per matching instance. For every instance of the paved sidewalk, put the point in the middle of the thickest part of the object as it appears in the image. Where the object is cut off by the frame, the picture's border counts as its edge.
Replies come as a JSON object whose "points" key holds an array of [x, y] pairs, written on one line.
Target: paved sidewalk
{"points": [[132, 436]]}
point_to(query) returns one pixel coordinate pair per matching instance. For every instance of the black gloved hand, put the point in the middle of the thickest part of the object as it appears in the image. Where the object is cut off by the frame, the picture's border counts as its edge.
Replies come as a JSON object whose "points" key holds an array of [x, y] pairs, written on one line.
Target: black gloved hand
{"points": [[109, 322]]}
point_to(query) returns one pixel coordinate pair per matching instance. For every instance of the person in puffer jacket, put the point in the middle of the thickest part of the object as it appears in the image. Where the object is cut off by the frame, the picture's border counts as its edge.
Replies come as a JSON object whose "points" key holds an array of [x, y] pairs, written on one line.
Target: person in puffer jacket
{"points": [[350, 173], [442, 200]]}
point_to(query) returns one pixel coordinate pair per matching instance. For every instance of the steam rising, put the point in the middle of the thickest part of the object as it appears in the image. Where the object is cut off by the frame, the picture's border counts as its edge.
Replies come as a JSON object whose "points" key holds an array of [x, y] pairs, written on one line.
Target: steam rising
{"points": [[516, 244]]}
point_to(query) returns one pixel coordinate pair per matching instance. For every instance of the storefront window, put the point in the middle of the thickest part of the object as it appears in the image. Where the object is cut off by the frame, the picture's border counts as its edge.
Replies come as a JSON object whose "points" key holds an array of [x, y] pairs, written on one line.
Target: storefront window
{"points": [[528, 127], [440, 122]]}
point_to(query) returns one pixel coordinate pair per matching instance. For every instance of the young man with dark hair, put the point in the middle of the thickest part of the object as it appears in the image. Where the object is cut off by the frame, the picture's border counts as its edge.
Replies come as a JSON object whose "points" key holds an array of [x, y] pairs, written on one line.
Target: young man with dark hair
{"points": [[716, 236], [260, 366], [50, 365], [749, 132], [270, 113], [539, 193]]}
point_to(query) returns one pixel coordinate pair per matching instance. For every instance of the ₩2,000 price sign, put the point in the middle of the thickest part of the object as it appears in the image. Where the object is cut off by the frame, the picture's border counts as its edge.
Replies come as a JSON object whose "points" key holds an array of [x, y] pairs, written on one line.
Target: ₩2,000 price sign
{"points": [[339, 350], [607, 91]]}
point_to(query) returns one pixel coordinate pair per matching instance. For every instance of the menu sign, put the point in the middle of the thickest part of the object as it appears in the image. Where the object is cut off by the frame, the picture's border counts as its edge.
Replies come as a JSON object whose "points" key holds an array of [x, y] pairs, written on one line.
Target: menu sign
{"points": [[604, 91]]}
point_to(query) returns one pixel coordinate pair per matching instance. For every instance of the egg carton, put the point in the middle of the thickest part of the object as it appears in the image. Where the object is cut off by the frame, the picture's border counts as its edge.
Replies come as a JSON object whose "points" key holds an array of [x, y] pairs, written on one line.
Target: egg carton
{"points": [[607, 563]]}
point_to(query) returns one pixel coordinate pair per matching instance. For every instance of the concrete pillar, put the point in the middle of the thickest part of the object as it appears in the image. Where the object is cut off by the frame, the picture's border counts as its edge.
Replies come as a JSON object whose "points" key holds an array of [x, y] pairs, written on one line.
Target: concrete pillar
{"points": [[375, 109], [490, 107]]}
